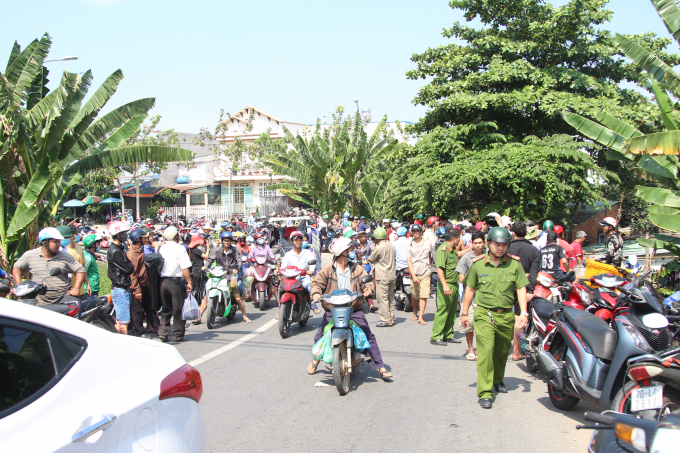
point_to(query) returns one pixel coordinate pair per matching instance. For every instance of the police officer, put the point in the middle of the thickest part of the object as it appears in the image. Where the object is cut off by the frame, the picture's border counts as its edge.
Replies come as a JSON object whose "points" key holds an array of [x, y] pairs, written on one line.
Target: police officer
{"points": [[494, 277]]}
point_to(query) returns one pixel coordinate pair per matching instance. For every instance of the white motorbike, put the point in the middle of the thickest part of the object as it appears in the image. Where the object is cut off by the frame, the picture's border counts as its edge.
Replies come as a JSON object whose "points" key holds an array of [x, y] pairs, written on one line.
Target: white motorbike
{"points": [[218, 290]]}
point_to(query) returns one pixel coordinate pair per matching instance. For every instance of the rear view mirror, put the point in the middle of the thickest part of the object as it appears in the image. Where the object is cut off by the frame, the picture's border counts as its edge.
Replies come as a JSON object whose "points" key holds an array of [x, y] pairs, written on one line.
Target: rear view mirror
{"points": [[272, 261], [311, 262], [367, 279], [570, 273], [55, 271]]}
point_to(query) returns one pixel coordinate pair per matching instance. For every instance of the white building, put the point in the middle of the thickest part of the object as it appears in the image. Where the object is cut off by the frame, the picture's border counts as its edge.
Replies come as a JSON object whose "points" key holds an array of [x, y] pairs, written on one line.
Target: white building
{"points": [[243, 192]]}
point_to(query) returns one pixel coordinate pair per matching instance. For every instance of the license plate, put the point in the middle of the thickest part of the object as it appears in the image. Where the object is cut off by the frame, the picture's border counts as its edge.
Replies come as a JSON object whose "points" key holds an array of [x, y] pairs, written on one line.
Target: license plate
{"points": [[407, 281], [646, 398]]}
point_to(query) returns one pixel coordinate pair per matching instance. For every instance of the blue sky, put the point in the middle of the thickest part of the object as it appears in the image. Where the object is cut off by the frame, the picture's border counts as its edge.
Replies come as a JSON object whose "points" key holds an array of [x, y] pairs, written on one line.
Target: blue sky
{"points": [[296, 60]]}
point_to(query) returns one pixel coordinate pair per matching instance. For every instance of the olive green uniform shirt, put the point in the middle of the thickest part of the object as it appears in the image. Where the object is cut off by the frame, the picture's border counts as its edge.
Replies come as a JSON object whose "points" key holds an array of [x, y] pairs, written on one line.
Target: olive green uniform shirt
{"points": [[446, 258], [495, 286]]}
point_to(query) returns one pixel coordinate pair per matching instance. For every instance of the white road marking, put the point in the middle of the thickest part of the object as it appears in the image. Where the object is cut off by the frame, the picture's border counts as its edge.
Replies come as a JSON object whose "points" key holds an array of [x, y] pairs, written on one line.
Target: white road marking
{"points": [[233, 344]]}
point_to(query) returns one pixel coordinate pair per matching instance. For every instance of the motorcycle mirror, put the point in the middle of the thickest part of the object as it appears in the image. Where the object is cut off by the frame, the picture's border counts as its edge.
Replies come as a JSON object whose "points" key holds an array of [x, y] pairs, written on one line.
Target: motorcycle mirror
{"points": [[367, 279], [311, 262], [272, 261], [55, 271], [571, 273]]}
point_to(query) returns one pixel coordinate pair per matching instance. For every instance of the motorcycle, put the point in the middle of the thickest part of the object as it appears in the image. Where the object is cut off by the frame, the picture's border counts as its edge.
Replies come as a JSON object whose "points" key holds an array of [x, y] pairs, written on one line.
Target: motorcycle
{"points": [[584, 358], [402, 291], [93, 311], [614, 433], [653, 390], [218, 289], [346, 357], [295, 302], [262, 277]]}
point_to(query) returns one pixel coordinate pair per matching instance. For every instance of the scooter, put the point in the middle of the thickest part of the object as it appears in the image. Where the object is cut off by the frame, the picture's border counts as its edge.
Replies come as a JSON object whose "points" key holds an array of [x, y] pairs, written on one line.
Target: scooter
{"points": [[93, 311], [622, 433], [295, 302], [402, 291], [218, 289], [584, 358], [346, 357], [262, 278]]}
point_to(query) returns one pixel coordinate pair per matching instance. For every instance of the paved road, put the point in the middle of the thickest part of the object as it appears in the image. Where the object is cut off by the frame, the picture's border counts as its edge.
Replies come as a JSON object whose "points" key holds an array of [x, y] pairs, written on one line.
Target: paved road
{"points": [[258, 397]]}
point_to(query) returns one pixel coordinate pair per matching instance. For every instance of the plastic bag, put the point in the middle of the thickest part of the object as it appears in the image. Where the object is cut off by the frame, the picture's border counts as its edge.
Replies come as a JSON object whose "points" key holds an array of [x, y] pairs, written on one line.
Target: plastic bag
{"points": [[360, 340], [190, 310], [322, 349], [672, 299]]}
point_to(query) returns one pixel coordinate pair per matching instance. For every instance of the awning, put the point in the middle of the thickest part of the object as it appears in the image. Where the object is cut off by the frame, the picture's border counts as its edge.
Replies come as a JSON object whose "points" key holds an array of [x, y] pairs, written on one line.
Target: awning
{"points": [[146, 192]]}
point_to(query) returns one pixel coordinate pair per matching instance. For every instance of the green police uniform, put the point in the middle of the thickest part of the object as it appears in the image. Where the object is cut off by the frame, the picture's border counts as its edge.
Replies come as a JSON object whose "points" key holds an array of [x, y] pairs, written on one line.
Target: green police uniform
{"points": [[446, 258], [494, 320]]}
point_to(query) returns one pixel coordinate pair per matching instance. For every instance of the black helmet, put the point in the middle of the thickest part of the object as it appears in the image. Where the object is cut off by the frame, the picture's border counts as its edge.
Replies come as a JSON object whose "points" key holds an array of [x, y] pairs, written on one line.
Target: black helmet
{"points": [[491, 220], [499, 235], [416, 227], [373, 225]]}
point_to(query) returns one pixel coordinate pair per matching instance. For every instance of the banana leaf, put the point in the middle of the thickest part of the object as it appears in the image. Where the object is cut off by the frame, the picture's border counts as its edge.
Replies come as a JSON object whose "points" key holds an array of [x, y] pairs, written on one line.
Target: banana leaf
{"points": [[659, 70], [670, 14], [665, 106], [128, 155], [665, 221], [661, 143], [595, 131], [663, 197], [660, 241]]}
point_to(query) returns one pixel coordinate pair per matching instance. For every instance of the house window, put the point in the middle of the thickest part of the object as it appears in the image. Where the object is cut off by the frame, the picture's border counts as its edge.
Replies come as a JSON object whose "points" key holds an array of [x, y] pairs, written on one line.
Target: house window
{"points": [[600, 238], [265, 193]]}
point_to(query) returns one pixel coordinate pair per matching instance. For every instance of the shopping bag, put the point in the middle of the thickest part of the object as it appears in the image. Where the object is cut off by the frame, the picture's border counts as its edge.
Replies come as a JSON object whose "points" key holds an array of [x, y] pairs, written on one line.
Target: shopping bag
{"points": [[319, 347], [190, 310], [360, 340]]}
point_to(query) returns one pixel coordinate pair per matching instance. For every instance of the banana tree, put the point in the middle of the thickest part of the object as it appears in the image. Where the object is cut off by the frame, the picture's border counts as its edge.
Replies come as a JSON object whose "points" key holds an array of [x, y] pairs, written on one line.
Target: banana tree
{"points": [[48, 140]]}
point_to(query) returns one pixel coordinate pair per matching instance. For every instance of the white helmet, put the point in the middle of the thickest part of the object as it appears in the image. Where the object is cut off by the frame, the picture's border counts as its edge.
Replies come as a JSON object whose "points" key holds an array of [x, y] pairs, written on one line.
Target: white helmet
{"points": [[118, 227], [610, 221], [341, 245]]}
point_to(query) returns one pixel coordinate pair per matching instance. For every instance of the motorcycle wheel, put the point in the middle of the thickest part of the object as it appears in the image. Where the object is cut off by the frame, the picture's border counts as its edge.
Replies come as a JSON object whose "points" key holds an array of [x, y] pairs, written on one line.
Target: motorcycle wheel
{"points": [[210, 322], [671, 401], [340, 374], [303, 323], [561, 401], [408, 307], [105, 324], [284, 323], [232, 312], [260, 299], [532, 367]]}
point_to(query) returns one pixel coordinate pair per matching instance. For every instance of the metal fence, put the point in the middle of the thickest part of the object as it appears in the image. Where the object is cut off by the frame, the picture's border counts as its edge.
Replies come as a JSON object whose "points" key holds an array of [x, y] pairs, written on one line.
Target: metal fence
{"points": [[216, 211]]}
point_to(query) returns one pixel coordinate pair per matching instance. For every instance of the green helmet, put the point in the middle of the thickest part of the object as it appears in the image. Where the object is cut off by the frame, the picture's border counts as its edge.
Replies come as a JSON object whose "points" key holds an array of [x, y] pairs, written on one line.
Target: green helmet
{"points": [[380, 233], [499, 235], [349, 234], [548, 225], [90, 239]]}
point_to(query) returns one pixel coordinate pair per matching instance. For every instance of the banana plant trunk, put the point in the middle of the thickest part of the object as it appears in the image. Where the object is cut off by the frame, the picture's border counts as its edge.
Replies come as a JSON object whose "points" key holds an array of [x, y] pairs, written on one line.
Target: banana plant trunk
{"points": [[122, 200], [137, 191]]}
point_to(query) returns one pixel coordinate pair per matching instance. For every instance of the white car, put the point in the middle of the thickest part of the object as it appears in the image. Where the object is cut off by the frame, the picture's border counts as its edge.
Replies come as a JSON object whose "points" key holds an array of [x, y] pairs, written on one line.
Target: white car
{"points": [[68, 386]]}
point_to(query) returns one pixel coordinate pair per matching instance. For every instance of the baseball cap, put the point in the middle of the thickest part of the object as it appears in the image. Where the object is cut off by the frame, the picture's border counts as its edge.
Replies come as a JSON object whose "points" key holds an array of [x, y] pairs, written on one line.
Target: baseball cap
{"points": [[64, 231]]}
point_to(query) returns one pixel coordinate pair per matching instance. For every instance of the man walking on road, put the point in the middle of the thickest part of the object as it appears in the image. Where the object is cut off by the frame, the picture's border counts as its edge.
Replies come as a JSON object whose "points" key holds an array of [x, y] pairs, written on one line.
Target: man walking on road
{"points": [[383, 258], [419, 256], [140, 296], [446, 261], [494, 277], [176, 265], [464, 264]]}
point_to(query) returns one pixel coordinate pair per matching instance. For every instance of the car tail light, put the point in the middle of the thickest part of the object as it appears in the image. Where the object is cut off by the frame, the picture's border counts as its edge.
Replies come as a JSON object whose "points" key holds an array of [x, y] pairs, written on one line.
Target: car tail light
{"points": [[642, 373], [184, 382]]}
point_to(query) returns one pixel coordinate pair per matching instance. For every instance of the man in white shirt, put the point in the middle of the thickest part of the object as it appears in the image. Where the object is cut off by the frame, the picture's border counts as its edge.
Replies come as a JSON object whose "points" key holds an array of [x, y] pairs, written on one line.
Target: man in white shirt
{"points": [[300, 258], [175, 266]]}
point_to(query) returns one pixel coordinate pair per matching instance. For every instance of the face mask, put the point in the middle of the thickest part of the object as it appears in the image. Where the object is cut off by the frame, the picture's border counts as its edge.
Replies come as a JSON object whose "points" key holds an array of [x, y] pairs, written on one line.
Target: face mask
{"points": [[260, 241], [352, 255], [123, 237], [65, 242], [77, 238], [305, 245], [98, 247]]}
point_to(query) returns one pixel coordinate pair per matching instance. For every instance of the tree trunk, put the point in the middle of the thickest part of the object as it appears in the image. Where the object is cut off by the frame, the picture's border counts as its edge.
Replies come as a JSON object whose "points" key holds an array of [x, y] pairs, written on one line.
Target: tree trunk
{"points": [[137, 191], [122, 200]]}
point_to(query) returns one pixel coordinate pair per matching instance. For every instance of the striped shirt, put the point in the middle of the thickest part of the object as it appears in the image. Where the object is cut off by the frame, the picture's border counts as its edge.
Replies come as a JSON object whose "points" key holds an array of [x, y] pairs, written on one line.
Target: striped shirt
{"points": [[40, 268]]}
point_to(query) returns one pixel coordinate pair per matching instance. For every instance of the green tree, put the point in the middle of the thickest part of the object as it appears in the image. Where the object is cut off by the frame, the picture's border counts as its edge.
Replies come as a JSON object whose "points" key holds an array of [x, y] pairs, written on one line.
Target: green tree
{"points": [[45, 136]]}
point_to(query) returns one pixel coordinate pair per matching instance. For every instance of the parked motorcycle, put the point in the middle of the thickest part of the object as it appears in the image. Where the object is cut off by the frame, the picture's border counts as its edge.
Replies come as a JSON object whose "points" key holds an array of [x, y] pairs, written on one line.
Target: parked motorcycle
{"points": [[93, 311], [346, 357], [585, 358], [295, 301], [619, 433], [402, 291], [218, 289], [262, 269]]}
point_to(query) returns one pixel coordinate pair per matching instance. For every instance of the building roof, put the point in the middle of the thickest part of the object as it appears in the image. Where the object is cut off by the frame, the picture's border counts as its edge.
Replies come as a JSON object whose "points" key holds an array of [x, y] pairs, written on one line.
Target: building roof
{"points": [[243, 114], [144, 192], [587, 212]]}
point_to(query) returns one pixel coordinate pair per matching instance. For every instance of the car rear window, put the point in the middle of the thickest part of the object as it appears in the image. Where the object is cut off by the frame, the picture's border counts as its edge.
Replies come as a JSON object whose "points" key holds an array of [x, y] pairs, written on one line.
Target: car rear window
{"points": [[26, 365]]}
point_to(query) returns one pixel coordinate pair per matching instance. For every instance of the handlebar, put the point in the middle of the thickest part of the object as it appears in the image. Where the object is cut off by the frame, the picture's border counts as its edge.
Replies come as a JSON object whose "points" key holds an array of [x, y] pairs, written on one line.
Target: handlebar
{"points": [[599, 418]]}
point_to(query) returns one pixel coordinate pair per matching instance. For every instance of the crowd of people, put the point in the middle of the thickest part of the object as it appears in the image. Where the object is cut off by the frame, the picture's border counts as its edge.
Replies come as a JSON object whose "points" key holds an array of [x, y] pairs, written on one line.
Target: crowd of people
{"points": [[488, 268]]}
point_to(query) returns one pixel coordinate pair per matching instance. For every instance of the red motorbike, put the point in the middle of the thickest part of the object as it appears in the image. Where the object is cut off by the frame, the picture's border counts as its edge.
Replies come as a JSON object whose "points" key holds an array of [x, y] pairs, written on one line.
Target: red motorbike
{"points": [[295, 302], [261, 271]]}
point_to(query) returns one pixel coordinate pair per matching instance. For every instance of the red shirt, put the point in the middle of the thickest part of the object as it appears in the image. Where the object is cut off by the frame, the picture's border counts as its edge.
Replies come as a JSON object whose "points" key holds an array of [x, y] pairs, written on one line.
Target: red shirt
{"points": [[568, 250], [578, 251], [418, 222]]}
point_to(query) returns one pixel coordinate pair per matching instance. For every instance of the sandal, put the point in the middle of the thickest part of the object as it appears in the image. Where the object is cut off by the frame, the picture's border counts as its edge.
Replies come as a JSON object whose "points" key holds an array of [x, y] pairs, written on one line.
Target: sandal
{"points": [[385, 374], [246, 319], [197, 322], [311, 368], [471, 356], [422, 323]]}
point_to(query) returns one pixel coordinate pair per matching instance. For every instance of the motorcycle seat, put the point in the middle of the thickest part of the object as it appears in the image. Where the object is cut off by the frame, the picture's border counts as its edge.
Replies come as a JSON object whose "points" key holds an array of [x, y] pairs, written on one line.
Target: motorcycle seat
{"points": [[599, 336], [89, 304], [58, 308], [544, 308]]}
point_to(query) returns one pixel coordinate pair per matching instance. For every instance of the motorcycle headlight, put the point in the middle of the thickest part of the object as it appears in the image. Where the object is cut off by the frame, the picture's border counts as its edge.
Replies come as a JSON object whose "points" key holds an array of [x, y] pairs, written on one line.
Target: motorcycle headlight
{"points": [[584, 295], [544, 280], [666, 440], [638, 339]]}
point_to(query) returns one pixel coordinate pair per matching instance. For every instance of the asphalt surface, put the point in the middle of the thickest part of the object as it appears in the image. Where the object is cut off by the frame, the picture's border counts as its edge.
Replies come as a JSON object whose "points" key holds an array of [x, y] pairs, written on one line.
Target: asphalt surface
{"points": [[258, 396]]}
